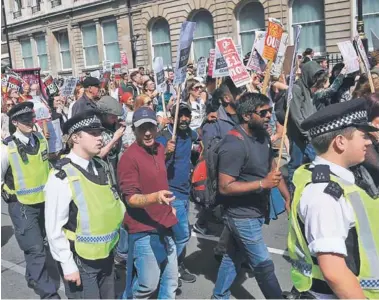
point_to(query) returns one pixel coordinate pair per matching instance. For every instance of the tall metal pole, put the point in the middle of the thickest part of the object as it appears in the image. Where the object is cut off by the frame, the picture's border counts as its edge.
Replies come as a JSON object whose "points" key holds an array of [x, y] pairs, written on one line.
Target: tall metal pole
{"points": [[133, 40], [361, 25], [6, 33]]}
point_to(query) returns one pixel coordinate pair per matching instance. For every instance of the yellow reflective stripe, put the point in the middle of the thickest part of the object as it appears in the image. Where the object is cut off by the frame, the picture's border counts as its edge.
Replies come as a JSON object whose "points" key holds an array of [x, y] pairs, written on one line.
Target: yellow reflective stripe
{"points": [[69, 234], [13, 155]]}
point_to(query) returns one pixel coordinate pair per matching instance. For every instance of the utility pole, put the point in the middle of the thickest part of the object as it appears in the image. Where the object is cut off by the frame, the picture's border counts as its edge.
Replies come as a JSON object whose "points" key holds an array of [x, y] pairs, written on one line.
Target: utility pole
{"points": [[133, 38], [361, 25], [6, 33]]}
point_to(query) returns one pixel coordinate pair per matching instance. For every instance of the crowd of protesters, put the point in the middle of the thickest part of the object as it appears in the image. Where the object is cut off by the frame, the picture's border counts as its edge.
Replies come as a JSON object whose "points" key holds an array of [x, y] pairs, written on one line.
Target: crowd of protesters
{"points": [[150, 167]]}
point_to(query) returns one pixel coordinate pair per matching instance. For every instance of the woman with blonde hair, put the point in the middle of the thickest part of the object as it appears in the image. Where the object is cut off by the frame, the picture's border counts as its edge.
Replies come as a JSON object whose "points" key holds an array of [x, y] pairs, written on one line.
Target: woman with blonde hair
{"points": [[143, 100]]}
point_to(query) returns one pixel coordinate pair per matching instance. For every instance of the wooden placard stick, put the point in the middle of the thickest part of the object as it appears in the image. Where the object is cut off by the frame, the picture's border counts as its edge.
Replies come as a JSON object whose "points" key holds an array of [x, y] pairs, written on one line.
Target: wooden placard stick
{"points": [[163, 105], [267, 77], [176, 113]]}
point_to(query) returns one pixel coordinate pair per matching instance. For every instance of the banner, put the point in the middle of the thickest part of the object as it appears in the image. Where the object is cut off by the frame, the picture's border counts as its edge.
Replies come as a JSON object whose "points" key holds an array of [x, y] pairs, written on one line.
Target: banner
{"points": [[14, 83], [375, 40], [50, 85], [297, 29], [236, 68], [220, 68], [68, 87], [362, 52], [201, 70], [124, 58], [159, 74], [350, 57], [277, 67], [186, 36], [211, 61], [256, 61], [273, 38]]}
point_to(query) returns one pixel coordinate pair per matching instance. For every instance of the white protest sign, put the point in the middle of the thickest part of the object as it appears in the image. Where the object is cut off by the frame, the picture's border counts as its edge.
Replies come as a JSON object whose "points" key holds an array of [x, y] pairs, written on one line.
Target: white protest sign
{"points": [[68, 86], [107, 66], [350, 57], [186, 36], [55, 139], [159, 74], [362, 52], [201, 70], [40, 109], [255, 61], [220, 68], [95, 74], [277, 67]]}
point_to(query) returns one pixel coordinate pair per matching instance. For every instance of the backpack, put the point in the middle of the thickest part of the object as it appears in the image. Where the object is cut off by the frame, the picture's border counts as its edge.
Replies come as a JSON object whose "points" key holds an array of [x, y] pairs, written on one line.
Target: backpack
{"points": [[204, 181]]}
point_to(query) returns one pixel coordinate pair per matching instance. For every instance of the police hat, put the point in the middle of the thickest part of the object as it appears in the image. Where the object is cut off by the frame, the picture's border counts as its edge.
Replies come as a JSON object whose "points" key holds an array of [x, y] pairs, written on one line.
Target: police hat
{"points": [[82, 121], [91, 81], [21, 109], [352, 113]]}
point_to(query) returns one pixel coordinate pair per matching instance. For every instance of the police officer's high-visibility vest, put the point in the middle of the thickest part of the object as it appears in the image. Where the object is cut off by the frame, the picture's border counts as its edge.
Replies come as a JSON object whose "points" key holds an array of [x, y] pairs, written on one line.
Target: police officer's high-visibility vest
{"points": [[100, 214], [29, 174], [366, 209]]}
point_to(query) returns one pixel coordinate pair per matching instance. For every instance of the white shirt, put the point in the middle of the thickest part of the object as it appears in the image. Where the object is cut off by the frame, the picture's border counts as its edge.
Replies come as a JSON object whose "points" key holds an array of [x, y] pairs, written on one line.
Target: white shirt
{"points": [[327, 221], [58, 197], [198, 113], [4, 151]]}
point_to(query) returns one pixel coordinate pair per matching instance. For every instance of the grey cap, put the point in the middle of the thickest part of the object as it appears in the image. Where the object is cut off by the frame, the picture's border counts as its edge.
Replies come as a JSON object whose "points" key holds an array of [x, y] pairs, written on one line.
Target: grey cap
{"points": [[110, 105]]}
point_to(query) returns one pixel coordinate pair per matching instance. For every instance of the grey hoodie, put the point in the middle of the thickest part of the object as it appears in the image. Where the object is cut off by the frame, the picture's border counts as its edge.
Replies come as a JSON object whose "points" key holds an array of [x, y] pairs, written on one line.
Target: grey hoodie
{"points": [[301, 106]]}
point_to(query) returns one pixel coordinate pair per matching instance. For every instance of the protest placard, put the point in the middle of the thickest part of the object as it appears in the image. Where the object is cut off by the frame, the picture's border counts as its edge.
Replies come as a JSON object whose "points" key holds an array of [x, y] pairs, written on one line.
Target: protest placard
{"points": [[4, 83], [256, 61], [350, 57], [279, 60], [159, 74], [186, 36], [55, 139], [117, 71], [14, 83], [201, 70], [107, 66], [220, 68], [273, 38], [236, 68], [362, 52], [211, 61], [68, 86], [40, 109], [50, 85], [95, 74], [124, 58]]}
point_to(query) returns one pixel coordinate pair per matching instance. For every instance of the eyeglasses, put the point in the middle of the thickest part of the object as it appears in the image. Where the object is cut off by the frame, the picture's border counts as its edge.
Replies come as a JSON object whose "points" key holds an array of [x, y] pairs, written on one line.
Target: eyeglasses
{"points": [[196, 88], [263, 113]]}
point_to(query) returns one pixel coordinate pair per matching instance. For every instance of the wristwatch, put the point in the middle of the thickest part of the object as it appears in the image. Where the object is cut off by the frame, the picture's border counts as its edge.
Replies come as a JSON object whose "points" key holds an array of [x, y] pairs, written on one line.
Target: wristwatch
{"points": [[260, 186]]}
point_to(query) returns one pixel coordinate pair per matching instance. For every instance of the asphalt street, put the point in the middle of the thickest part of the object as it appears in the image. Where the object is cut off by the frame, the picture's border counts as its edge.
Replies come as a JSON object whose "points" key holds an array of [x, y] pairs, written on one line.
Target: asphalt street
{"points": [[200, 261]]}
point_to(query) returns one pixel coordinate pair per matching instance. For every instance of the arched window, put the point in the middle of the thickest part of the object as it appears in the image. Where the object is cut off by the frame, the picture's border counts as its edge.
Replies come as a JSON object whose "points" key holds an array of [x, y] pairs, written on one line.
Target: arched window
{"points": [[310, 15], [251, 17], [371, 19], [160, 41], [203, 39]]}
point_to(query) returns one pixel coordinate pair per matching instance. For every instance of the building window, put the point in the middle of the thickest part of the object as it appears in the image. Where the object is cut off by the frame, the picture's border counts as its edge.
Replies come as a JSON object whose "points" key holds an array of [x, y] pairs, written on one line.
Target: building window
{"points": [[160, 41], [91, 52], [36, 6], [17, 5], [371, 19], [203, 38], [251, 17], [55, 3], [27, 54], [310, 15], [110, 38], [64, 49], [41, 52]]}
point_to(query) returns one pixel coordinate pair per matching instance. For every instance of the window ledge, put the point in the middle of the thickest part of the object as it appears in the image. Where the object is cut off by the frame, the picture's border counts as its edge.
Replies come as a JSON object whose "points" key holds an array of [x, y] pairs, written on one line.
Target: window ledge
{"points": [[90, 69], [65, 72]]}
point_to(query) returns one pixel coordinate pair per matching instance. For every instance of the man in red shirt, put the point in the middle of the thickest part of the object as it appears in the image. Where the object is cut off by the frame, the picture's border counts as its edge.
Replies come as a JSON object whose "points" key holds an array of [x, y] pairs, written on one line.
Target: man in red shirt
{"points": [[149, 218]]}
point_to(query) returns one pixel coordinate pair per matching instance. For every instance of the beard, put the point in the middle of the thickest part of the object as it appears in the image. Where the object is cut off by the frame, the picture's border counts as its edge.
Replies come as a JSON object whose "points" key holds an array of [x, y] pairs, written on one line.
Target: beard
{"points": [[184, 126]]}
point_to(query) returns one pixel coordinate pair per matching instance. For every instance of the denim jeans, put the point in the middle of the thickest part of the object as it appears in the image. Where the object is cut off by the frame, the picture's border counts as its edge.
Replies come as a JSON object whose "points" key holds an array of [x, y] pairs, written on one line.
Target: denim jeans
{"points": [[123, 246], [181, 229], [151, 275], [246, 243]]}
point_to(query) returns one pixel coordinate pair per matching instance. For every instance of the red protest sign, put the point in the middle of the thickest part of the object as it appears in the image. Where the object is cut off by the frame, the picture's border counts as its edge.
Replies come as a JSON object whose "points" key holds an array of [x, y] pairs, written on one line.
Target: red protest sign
{"points": [[211, 61], [124, 59], [272, 41], [236, 68], [14, 83]]}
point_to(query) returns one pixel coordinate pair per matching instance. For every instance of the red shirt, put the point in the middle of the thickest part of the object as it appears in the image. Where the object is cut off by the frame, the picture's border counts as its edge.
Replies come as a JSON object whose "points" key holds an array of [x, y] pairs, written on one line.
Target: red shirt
{"points": [[140, 172]]}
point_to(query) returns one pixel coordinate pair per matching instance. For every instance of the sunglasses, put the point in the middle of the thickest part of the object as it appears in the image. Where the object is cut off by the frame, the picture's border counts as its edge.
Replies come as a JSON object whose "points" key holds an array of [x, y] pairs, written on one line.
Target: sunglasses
{"points": [[196, 88], [263, 113]]}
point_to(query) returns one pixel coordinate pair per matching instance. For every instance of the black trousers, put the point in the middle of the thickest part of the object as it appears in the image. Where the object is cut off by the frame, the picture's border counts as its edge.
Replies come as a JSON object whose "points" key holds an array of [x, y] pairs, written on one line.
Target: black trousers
{"points": [[29, 227], [97, 277]]}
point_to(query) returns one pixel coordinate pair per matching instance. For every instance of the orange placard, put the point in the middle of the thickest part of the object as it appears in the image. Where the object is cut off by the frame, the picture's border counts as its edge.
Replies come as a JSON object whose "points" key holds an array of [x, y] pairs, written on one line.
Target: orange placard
{"points": [[272, 41]]}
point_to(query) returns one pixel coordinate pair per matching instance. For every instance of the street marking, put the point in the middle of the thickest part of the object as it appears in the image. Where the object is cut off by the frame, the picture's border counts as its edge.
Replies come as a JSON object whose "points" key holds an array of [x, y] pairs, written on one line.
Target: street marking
{"points": [[216, 239], [20, 270]]}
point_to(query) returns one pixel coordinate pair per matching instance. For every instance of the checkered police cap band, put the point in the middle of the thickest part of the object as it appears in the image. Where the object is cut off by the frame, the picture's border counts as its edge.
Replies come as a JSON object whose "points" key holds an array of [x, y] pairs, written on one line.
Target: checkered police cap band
{"points": [[342, 122], [25, 110], [93, 121]]}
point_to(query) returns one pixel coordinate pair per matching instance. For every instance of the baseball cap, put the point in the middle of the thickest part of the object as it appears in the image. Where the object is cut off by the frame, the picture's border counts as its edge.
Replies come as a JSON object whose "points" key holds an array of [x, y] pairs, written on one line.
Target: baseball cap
{"points": [[144, 115], [182, 106]]}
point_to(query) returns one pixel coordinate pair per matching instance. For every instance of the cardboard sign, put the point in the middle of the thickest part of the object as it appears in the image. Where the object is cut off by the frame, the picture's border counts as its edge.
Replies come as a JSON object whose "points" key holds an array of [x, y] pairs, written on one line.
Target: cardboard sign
{"points": [[4, 83], [255, 61], [236, 68], [55, 139], [211, 59], [186, 36], [14, 83], [50, 85], [362, 52], [201, 70], [375, 40], [277, 67], [159, 74], [124, 58], [40, 109], [68, 86], [273, 38], [107, 66], [220, 68], [95, 74], [350, 57]]}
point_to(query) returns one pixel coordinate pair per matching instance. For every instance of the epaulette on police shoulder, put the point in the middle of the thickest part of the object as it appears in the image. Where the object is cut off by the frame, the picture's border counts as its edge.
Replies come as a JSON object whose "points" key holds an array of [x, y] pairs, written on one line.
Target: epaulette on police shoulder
{"points": [[334, 189], [7, 140], [321, 174], [61, 174]]}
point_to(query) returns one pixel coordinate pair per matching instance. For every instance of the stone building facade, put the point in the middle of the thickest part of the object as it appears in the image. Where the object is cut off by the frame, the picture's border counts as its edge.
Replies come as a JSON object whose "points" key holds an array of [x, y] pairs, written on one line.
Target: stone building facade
{"points": [[69, 37]]}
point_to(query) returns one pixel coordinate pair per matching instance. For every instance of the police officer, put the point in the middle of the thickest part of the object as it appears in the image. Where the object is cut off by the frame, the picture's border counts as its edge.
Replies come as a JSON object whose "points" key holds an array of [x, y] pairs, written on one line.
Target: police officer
{"points": [[333, 237], [83, 212], [24, 172]]}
